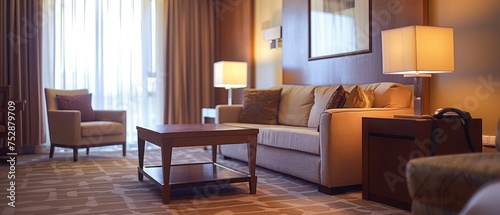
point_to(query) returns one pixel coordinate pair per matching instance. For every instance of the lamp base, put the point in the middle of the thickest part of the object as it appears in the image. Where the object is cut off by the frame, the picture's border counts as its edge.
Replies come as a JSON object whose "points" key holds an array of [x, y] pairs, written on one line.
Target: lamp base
{"points": [[229, 96]]}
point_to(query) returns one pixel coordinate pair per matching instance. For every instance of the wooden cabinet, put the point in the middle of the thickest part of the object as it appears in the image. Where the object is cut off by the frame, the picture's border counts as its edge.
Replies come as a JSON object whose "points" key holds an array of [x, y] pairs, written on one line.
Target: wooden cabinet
{"points": [[389, 143]]}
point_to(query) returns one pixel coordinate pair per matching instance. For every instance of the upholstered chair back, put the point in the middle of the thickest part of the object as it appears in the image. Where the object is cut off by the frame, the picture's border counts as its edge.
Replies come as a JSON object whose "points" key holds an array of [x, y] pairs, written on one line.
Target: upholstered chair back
{"points": [[51, 100]]}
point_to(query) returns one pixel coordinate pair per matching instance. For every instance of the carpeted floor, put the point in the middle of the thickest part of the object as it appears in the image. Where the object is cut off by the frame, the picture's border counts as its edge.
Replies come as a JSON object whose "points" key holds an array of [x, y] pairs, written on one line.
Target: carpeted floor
{"points": [[106, 183]]}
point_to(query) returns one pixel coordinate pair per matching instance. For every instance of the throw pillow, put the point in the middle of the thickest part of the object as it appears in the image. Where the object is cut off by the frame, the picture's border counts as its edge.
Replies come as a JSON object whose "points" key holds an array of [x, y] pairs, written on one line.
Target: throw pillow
{"points": [[338, 98], [359, 98], [82, 103], [260, 106]]}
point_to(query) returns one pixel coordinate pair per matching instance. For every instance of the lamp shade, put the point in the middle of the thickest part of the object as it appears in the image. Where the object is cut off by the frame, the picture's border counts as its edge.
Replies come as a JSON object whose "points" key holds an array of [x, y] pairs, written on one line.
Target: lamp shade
{"points": [[418, 51], [230, 74]]}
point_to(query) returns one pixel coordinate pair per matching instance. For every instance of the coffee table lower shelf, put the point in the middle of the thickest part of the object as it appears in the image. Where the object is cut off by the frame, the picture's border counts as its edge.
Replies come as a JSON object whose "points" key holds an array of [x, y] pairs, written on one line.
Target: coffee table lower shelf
{"points": [[193, 175]]}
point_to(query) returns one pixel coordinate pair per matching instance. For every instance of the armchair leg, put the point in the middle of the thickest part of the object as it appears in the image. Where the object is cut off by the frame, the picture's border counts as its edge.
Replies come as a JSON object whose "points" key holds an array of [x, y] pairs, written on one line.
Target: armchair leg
{"points": [[124, 149], [88, 149], [75, 154], [51, 154]]}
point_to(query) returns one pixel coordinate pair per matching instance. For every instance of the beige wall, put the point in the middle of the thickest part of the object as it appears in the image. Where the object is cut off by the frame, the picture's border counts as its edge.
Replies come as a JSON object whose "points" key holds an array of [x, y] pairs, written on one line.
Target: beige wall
{"points": [[475, 85], [268, 69]]}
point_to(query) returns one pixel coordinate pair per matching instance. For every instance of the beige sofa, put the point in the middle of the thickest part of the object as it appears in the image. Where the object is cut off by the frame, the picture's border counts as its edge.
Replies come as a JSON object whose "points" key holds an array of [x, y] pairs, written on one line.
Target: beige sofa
{"points": [[331, 157]]}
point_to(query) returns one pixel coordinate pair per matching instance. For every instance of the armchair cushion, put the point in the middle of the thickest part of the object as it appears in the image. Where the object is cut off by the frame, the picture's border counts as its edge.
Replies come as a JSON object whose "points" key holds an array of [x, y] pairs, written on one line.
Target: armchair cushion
{"points": [[82, 103], [111, 115], [101, 128]]}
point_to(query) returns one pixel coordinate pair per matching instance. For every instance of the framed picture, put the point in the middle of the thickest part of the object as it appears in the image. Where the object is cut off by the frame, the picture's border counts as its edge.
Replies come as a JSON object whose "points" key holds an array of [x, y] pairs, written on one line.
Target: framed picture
{"points": [[339, 28]]}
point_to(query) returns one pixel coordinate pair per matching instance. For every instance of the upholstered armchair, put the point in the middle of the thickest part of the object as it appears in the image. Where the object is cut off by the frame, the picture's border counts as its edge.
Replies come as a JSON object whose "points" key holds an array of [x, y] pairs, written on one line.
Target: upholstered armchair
{"points": [[82, 127], [455, 184]]}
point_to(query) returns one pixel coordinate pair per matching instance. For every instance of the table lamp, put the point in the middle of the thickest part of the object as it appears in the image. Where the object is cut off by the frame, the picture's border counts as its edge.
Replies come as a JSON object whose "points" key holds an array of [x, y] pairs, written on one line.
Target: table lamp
{"points": [[230, 75], [418, 52]]}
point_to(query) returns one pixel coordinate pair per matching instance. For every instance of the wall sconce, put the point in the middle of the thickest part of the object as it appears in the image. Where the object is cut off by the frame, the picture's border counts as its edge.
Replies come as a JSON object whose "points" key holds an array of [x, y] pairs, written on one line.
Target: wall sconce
{"points": [[273, 35]]}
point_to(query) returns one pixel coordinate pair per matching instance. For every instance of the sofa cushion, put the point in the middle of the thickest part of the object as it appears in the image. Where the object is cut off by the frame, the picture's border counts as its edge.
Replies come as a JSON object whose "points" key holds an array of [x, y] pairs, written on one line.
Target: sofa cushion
{"points": [[359, 98], [295, 105], [287, 137], [392, 95], [260, 106], [326, 98], [321, 96], [338, 98]]}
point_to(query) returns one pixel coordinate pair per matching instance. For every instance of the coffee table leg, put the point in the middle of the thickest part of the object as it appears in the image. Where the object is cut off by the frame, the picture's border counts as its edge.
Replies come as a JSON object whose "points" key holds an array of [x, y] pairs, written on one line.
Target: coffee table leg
{"points": [[252, 157], [141, 143], [214, 153], [166, 160]]}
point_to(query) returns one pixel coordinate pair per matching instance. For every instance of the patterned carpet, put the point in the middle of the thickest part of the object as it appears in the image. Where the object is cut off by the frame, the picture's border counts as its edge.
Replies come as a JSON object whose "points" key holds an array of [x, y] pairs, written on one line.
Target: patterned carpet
{"points": [[106, 183]]}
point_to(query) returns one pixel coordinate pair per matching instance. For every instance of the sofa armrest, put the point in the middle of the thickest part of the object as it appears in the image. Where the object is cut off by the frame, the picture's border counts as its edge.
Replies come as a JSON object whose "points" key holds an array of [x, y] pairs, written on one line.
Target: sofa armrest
{"points": [[119, 116], [341, 141], [227, 113], [64, 126]]}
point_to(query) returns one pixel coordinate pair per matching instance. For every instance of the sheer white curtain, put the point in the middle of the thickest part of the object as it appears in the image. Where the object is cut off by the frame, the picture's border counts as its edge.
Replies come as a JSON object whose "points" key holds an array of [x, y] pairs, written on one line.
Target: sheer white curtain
{"points": [[114, 49]]}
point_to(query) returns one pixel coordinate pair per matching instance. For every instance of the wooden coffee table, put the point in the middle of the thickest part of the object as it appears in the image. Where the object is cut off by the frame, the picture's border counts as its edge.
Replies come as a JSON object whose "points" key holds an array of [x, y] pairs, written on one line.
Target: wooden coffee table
{"points": [[199, 174]]}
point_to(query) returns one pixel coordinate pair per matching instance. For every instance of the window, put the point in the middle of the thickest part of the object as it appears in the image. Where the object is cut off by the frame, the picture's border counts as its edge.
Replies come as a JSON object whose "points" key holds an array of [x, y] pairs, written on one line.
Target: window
{"points": [[111, 48]]}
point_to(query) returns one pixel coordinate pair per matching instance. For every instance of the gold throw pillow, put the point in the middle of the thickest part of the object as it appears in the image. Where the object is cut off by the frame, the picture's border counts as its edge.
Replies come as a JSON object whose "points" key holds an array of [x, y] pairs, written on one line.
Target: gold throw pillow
{"points": [[359, 98]]}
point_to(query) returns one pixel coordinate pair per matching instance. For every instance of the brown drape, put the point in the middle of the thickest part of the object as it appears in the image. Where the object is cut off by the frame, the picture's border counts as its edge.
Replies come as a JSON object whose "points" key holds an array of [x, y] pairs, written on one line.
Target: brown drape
{"points": [[190, 54], [20, 64]]}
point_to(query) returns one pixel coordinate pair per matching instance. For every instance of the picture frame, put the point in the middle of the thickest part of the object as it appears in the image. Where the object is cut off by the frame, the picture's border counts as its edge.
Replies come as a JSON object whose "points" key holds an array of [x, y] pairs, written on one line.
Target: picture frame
{"points": [[339, 28]]}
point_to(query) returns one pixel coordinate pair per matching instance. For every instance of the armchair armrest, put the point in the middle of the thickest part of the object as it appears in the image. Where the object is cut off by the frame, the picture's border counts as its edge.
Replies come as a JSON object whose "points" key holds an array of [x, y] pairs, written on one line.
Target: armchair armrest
{"points": [[111, 115], [64, 126], [341, 142], [227, 113]]}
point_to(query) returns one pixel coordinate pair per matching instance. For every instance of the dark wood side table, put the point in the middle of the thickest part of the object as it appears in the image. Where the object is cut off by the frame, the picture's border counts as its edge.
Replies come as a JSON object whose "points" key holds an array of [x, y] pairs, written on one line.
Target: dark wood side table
{"points": [[169, 176], [389, 143]]}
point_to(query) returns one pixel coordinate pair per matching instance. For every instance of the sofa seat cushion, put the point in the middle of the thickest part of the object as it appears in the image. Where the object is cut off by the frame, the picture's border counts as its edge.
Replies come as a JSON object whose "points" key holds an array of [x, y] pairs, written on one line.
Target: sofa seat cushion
{"points": [[103, 128], [287, 137]]}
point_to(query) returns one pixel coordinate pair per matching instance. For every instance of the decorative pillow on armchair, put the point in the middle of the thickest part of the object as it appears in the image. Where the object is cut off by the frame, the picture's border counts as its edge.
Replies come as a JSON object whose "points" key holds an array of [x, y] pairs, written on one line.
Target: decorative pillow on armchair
{"points": [[359, 98], [82, 103], [260, 106]]}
